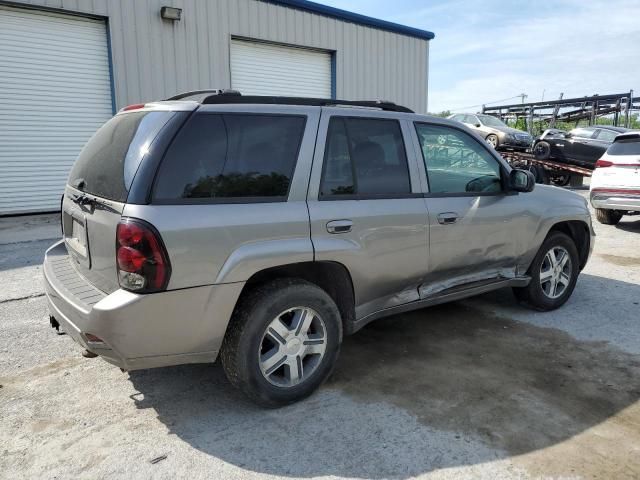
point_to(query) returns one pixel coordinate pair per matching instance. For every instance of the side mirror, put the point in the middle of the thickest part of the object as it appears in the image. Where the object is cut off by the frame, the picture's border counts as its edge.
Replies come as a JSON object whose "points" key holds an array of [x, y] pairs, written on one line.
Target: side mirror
{"points": [[521, 181], [567, 135], [478, 125]]}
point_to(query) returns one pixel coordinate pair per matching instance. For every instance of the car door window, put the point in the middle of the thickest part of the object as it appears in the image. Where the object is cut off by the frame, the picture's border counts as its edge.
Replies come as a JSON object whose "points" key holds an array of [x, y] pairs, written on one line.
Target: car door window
{"points": [[471, 119], [365, 158], [456, 163], [606, 135], [582, 132]]}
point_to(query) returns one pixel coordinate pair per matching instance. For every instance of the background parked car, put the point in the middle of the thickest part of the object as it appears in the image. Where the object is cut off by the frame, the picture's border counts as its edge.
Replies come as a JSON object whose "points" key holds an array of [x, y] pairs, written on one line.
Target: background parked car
{"points": [[615, 184], [582, 146], [497, 133]]}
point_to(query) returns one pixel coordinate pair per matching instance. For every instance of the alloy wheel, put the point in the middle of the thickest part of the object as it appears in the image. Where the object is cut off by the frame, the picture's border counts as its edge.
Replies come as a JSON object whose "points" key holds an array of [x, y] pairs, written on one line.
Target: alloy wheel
{"points": [[292, 347], [555, 272]]}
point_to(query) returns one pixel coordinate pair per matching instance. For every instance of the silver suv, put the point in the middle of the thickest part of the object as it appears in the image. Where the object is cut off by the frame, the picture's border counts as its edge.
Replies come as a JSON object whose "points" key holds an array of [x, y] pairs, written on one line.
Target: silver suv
{"points": [[263, 229]]}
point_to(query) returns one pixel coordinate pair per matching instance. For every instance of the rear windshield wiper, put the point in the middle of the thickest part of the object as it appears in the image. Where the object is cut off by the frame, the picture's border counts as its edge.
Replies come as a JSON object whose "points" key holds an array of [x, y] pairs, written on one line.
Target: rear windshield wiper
{"points": [[83, 200]]}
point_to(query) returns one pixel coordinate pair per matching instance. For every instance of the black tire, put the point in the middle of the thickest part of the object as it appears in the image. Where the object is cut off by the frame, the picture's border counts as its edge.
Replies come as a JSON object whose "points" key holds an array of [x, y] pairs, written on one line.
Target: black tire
{"points": [[492, 140], [560, 179], [254, 313], [542, 150], [533, 294], [608, 217], [540, 174]]}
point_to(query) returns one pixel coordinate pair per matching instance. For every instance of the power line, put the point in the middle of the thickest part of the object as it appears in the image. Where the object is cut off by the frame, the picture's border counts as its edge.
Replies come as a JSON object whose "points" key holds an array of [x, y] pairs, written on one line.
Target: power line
{"points": [[486, 103]]}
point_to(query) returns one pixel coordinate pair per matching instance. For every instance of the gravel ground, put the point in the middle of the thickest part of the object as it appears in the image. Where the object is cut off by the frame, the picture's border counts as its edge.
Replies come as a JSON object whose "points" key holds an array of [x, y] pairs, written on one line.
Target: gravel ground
{"points": [[475, 389]]}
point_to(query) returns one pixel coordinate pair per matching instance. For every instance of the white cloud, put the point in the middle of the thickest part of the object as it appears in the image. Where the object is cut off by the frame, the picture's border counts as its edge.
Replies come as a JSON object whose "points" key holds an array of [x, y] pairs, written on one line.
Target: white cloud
{"points": [[580, 49]]}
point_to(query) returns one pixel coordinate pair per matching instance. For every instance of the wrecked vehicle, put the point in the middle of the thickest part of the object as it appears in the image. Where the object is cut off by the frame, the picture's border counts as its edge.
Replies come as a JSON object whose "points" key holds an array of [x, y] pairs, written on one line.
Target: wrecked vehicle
{"points": [[582, 146], [261, 230]]}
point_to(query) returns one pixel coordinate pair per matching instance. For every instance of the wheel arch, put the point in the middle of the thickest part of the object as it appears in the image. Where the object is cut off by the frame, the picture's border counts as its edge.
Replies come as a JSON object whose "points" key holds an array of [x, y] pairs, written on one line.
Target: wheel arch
{"points": [[333, 277], [578, 231]]}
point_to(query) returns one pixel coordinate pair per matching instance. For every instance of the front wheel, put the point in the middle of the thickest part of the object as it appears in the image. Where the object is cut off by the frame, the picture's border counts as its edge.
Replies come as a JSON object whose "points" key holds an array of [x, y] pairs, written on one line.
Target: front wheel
{"points": [[608, 217], [282, 342], [554, 273]]}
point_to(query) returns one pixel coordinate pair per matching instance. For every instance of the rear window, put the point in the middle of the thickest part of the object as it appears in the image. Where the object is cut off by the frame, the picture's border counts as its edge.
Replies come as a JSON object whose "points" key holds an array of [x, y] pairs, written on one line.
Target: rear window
{"points": [[627, 146], [364, 157], [217, 157], [110, 159]]}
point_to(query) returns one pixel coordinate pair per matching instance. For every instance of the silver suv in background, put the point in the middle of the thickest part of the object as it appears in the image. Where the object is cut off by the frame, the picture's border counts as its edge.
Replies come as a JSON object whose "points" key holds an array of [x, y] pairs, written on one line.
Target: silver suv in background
{"points": [[496, 133], [261, 230]]}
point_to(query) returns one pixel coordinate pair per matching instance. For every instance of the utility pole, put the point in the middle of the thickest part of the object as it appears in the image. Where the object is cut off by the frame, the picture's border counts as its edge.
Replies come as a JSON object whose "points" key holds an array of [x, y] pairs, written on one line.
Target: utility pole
{"points": [[628, 108]]}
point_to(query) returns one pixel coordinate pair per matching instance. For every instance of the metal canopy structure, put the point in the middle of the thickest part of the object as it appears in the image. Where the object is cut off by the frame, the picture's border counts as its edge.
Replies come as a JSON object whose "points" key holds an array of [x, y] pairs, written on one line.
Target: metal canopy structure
{"points": [[590, 108]]}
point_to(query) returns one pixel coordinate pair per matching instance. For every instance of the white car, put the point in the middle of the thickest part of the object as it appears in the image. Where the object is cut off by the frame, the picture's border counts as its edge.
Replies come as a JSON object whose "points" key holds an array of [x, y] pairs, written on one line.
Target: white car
{"points": [[615, 184]]}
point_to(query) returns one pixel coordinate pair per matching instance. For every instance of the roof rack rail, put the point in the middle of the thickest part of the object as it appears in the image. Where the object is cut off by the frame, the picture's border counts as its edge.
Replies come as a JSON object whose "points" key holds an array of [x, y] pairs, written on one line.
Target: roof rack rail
{"points": [[217, 98], [198, 94]]}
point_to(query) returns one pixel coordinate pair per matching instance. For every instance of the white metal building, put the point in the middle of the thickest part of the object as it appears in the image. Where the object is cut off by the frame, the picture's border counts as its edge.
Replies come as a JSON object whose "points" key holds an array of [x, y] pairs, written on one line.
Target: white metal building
{"points": [[67, 65]]}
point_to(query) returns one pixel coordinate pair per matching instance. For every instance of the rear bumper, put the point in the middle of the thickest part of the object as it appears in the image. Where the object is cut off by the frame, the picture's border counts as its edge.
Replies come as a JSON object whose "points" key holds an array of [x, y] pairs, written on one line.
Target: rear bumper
{"points": [[615, 200], [138, 331]]}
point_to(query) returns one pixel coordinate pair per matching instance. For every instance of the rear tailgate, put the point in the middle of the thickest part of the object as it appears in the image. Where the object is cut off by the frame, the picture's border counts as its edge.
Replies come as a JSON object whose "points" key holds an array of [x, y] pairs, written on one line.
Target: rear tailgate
{"points": [[98, 188], [89, 224], [624, 156]]}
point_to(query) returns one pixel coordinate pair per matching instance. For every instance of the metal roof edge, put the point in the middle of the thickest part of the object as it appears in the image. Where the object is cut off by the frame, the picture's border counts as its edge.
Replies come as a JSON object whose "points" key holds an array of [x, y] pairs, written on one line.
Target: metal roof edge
{"points": [[345, 15]]}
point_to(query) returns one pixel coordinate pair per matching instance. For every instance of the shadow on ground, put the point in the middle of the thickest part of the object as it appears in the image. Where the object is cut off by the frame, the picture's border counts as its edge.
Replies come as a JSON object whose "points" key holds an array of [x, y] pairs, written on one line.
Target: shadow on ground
{"points": [[435, 388], [629, 224]]}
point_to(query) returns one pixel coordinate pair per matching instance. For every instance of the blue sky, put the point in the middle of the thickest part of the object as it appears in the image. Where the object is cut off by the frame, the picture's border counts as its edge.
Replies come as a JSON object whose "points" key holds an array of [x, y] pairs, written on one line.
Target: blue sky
{"points": [[491, 49]]}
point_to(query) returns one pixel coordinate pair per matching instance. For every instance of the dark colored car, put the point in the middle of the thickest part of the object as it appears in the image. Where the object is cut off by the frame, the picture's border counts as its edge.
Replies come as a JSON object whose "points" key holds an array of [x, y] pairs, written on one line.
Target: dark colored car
{"points": [[581, 146]]}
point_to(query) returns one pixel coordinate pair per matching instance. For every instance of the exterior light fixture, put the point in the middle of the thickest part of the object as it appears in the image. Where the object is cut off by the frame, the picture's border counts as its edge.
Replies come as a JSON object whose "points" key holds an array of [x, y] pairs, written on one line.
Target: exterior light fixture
{"points": [[171, 13]]}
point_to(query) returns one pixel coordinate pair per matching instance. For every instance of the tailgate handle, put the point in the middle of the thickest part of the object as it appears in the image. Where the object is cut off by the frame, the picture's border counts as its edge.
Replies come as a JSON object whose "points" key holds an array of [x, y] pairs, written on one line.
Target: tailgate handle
{"points": [[339, 226], [447, 218]]}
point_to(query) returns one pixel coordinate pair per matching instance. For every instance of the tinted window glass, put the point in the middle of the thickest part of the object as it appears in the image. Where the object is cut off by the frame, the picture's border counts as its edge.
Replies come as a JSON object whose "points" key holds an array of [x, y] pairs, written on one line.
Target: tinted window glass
{"points": [[364, 157], [110, 159], [629, 146], [456, 162], [606, 135], [231, 156]]}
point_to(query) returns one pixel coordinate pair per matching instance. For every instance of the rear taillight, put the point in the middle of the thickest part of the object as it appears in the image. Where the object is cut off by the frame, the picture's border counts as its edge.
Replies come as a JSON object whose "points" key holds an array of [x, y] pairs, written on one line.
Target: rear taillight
{"points": [[142, 261], [603, 163]]}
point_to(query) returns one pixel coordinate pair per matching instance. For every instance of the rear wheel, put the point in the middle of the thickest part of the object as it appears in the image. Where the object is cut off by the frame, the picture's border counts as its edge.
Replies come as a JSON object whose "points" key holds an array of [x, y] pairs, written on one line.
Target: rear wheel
{"points": [[608, 217], [282, 342], [540, 174], [554, 273], [492, 140], [560, 179]]}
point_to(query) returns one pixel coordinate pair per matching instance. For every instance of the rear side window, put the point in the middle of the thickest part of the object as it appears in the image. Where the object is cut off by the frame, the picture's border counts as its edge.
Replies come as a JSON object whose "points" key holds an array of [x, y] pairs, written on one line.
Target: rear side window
{"points": [[627, 146], [364, 156], [227, 156], [110, 159]]}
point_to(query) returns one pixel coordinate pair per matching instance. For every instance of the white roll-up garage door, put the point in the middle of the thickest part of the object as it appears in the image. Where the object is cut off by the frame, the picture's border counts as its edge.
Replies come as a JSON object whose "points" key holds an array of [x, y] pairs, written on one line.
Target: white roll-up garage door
{"points": [[267, 69], [55, 92]]}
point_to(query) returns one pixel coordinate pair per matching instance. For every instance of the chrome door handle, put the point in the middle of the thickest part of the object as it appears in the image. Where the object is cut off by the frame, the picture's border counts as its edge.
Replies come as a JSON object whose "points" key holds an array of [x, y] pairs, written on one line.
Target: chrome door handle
{"points": [[339, 226], [447, 218]]}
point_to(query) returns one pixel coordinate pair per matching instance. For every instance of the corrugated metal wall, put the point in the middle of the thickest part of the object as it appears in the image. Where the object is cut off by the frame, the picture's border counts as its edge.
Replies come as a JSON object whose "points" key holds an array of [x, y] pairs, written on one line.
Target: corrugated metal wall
{"points": [[155, 58]]}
